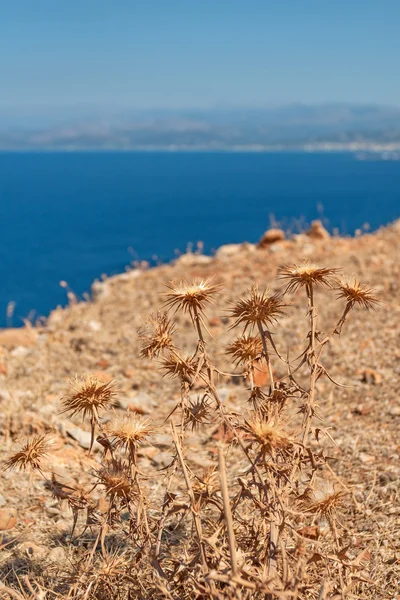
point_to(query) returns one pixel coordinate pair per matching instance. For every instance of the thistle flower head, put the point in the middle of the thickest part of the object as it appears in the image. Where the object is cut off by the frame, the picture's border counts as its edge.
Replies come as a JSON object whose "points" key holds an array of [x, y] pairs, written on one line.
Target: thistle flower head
{"points": [[245, 349], [198, 412], [204, 487], [182, 367], [307, 274], [355, 292], [257, 307], [324, 499], [268, 433], [129, 432], [114, 476], [156, 336], [31, 454], [88, 394], [191, 297]]}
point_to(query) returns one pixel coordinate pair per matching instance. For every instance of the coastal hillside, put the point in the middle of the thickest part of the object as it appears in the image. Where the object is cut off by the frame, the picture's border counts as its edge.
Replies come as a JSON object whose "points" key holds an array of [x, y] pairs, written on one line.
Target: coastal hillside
{"points": [[356, 419]]}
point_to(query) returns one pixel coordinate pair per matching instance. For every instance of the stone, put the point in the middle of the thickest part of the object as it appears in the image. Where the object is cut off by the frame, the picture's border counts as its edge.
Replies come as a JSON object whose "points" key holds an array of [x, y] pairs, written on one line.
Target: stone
{"points": [[103, 376], [32, 550], [94, 325], [271, 236], [8, 518], [57, 555], [261, 376], [2, 500], [82, 437], [193, 260], [372, 377], [229, 250], [394, 411], [317, 231], [141, 403]]}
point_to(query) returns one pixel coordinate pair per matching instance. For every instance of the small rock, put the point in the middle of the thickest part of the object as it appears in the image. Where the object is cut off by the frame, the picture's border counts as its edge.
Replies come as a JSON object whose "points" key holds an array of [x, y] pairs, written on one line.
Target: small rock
{"points": [[32, 550], [370, 376], [94, 325], [394, 411], [366, 458], [161, 440], [8, 518], [317, 231], [20, 352], [141, 403], [261, 376], [163, 459], [2, 500], [3, 369], [229, 250], [129, 373], [103, 376], [192, 260], [82, 437], [57, 555], [271, 236]]}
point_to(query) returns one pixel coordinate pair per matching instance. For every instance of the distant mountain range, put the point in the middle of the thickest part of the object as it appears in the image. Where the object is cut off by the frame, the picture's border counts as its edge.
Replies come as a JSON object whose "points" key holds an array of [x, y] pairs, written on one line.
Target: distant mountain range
{"points": [[324, 127]]}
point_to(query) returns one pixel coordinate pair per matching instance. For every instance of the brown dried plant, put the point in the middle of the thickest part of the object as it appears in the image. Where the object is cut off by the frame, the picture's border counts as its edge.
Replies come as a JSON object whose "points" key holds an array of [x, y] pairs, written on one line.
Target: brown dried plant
{"points": [[238, 514], [31, 455], [89, 395]]}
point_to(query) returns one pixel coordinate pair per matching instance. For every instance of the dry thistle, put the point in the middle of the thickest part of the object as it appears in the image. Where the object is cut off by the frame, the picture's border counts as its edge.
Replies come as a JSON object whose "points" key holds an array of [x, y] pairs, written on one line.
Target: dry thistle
{"points": [[87, 396], [245, 349], [257, 308], [176, 366], [156, 336], [307, 274], [199, 412], [191, 297], [355, 292], [31, 454], [129, 432], [268, 433], [114, 476]]}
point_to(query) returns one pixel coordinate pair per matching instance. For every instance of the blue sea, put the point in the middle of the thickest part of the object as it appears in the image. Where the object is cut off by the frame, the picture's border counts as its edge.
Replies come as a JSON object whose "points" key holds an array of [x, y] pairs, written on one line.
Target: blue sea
{"points": [[75, 216]]}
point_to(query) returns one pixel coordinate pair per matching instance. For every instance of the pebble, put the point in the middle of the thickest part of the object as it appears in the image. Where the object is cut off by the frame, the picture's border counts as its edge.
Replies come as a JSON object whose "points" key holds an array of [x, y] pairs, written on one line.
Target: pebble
{"points": [[82, 437], [8, 518], [271, 236], [57, 554], [32, 550], [142, 403], [394, 411]]}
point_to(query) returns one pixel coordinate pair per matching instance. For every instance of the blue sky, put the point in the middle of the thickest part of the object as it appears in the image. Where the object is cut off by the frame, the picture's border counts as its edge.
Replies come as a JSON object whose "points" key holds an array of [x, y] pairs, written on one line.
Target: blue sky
{"points": [[197, 53]]}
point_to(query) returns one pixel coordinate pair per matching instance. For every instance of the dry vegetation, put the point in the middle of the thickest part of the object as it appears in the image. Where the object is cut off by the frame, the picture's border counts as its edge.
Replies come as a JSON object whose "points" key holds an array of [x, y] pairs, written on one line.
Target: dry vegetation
{"points": [[239, 442]]}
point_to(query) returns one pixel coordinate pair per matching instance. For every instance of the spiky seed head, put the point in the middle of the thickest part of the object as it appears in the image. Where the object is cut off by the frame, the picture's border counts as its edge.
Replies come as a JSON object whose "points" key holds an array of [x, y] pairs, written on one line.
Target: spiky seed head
{"points": [[114, 476], [198, 412], [156, 335], [355, 292], [129, 432], [307, 274], [257, 307], [324, 499], [191, 297], [31, 454], [245, 349], [268, 433], [87, 396], [204, 487], [182, 367]]}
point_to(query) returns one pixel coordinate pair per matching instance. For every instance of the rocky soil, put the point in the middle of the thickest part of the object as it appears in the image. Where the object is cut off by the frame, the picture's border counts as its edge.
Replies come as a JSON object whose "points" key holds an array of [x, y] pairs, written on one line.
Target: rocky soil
{"points": [[100, 337]]}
